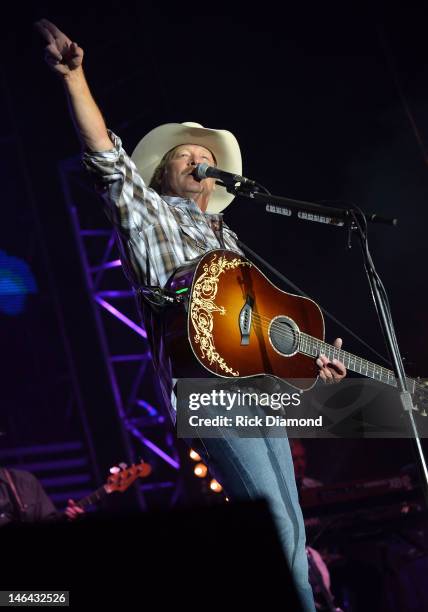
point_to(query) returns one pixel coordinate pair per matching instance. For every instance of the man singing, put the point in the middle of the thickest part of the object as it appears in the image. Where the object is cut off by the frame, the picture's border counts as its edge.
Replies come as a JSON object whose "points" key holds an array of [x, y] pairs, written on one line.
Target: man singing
{"points": [[164, 217]]}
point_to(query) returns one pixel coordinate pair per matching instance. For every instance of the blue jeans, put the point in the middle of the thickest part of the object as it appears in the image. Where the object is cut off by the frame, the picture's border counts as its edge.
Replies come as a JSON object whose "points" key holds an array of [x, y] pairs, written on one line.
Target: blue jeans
{"points": [[251, 468]]}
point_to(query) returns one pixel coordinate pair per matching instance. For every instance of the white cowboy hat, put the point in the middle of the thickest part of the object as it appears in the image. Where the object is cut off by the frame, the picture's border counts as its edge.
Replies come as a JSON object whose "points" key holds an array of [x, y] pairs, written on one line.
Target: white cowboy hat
{"points": [[223, 144]]}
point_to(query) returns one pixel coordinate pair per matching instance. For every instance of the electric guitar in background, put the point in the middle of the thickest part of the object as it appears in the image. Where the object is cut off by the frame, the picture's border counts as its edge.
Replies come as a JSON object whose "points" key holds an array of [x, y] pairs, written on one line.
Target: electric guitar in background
{"points": [[119, 481]]}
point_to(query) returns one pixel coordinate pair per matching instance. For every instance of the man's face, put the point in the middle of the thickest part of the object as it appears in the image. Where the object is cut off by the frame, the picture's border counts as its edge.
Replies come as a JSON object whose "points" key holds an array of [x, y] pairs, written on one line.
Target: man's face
{"points": [[178, 180]]}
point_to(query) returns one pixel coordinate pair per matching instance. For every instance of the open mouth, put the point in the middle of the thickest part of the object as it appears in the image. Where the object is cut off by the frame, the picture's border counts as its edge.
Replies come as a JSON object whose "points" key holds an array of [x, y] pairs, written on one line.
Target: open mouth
{"points": [[195, 178]]}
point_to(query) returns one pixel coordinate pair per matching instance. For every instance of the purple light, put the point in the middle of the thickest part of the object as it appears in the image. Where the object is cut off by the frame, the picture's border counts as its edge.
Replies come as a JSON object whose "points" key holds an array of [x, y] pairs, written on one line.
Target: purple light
{"points": [[60, 481], [95, 232], [157, 485], [40, 449], [119, 315], [158, 451], [150, 409], [116, 263], [116, 294], [120, 358]]}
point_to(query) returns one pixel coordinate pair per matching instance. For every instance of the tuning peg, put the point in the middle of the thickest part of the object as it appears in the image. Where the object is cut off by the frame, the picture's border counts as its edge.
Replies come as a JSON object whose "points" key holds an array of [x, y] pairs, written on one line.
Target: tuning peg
{"points": [[114, 469], [123, 466]]}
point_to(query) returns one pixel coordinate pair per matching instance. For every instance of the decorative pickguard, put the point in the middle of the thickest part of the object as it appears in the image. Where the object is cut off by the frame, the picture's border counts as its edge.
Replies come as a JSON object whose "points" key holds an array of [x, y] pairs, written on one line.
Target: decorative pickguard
{"points": [[203, 305]]}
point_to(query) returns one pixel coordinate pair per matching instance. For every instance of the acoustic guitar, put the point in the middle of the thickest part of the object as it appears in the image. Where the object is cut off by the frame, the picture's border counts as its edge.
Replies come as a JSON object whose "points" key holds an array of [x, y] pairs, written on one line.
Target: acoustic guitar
{"points": [[235, 323]]}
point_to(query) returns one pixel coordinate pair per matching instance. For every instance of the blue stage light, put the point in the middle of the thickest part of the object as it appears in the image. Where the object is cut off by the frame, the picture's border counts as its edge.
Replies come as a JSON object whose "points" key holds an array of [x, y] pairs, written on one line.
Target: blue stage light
{"points": [[16, 282]]}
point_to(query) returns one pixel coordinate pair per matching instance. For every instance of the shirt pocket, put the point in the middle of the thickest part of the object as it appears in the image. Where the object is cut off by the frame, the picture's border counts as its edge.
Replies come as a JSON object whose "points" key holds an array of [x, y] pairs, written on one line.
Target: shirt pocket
{"points": [[159, 253], [193, 238]]}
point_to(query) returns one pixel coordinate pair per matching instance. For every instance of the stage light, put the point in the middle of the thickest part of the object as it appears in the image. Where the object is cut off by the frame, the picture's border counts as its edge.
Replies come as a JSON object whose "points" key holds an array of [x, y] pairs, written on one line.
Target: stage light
{"points": [[16, 283], [194, 455], [200, 470], [215, 486]]}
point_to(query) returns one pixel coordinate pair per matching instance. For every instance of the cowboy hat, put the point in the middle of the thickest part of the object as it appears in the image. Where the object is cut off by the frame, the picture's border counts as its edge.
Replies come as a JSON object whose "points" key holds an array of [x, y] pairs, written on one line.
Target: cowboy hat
{"points": [[223, 144]]}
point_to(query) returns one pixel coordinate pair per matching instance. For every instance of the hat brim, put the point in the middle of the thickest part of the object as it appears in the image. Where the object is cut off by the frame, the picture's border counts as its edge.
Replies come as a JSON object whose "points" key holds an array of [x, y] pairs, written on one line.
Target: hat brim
{"points": [[223, 144]]}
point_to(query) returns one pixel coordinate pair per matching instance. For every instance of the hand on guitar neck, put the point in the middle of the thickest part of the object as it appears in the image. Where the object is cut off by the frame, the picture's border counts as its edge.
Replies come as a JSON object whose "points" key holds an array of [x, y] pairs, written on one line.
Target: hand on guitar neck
{"points": [[331, 371], [73, 510]]}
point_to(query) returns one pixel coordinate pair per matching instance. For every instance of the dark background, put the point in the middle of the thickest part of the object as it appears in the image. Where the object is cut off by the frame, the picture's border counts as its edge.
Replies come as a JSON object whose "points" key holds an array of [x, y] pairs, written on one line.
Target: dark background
{"points": [[328, 103]]}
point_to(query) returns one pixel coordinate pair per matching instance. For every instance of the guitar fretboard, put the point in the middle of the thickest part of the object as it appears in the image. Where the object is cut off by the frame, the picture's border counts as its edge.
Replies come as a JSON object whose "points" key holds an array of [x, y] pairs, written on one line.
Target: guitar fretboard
{"points": [[308, 345], [93, 498]]}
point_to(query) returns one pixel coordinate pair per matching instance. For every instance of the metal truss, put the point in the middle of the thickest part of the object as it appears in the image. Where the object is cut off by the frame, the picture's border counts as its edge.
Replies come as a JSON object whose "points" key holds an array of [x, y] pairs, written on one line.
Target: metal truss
{"points": [[124, 342], [63, 468]]}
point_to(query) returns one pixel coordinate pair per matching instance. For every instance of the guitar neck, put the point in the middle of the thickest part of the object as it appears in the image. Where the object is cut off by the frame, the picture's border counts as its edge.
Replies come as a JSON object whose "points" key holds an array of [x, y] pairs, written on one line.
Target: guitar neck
{"points": [[93, 498], [308, 345]]}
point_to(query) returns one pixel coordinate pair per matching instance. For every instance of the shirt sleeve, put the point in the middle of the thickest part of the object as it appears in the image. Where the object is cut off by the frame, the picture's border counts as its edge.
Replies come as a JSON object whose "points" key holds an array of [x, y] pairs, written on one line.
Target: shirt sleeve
{"points": [[130, 204], [33, 495]]}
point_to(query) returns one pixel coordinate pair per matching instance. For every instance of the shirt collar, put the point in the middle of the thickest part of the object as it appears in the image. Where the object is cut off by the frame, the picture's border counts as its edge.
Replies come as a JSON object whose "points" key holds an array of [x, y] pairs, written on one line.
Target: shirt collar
{"points": [[188, 204]]}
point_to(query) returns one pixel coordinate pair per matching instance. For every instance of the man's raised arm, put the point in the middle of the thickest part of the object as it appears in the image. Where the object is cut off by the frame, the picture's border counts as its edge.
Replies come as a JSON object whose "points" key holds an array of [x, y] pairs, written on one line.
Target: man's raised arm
{"points": [[65, 57]]}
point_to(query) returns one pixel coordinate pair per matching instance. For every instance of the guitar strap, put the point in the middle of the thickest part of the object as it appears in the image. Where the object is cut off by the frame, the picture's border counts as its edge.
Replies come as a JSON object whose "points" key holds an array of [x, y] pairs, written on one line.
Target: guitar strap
{"points": [[217, 228], [301, 292]]}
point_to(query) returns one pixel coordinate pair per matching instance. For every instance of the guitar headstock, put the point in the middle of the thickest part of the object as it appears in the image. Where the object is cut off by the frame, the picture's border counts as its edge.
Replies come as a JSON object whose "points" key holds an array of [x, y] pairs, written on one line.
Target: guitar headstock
{"points": [[123, 477]]}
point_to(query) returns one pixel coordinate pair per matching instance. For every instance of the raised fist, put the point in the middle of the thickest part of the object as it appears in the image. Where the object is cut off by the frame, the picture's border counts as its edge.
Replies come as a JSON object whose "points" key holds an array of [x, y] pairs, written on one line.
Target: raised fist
{"points": [[61, 54]]}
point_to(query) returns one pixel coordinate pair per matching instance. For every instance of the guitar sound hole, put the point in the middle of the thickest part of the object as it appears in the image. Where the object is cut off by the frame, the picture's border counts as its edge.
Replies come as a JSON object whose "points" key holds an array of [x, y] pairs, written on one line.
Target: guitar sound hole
{"points": [[284, 335]]}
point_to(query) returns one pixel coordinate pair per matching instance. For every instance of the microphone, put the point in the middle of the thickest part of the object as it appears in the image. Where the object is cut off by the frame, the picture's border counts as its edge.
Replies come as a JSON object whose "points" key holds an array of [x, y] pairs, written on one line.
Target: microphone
{"points": [[202, 171]]}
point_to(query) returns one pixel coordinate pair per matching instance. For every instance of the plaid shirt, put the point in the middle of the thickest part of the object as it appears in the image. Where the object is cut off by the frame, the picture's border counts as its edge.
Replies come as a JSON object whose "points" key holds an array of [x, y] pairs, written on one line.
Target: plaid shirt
{"points": [[156, 235]]}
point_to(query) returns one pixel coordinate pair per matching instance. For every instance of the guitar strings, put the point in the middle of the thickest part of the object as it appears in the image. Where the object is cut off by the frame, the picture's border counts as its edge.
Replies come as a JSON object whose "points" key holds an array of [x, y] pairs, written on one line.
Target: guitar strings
{"points": [[265, 323], [315, 343], [310, 340], [286, 333]]}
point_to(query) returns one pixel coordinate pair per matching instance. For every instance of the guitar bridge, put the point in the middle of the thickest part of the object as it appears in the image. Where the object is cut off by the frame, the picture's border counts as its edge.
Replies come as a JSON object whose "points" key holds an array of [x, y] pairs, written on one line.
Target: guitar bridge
{"points": [[245, 320]]}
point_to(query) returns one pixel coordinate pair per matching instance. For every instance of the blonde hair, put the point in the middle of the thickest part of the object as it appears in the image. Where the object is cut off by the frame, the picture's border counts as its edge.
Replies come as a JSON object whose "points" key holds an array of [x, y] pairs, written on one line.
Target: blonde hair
{"points": [[156, 180], [158, 174]]}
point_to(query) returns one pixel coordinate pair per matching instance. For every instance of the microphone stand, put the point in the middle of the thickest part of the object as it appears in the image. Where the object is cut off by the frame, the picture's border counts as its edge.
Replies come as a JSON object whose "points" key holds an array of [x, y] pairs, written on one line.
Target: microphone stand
{"points": [[353, 219]]}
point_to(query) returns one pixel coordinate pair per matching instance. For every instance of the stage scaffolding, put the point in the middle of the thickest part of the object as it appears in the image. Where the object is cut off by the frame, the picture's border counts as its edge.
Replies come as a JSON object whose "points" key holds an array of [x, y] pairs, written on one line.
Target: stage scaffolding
{"points": [[147, 429]]}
